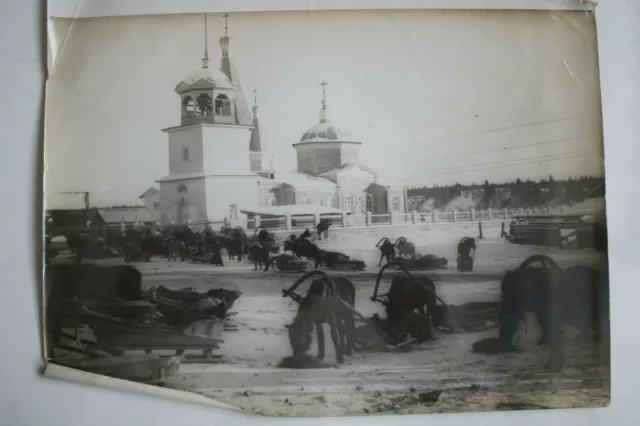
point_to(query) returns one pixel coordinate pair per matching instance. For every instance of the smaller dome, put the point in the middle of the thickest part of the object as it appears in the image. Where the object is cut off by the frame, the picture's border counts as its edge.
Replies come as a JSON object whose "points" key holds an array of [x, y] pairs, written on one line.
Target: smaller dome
{"points": [[211, 75], [325, 132]]}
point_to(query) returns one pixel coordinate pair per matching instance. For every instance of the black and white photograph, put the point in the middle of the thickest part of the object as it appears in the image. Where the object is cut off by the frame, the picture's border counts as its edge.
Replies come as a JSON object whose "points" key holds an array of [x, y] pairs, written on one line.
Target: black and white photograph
{"points": [[330, 213]]}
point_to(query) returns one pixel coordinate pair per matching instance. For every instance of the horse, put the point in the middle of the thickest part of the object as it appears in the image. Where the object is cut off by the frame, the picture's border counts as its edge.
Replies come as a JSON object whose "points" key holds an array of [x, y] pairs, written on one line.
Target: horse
{"points": [[236, 241], [407, 294], [267, 240], [303, 248], [318, 307], [260, 256], [577, 296], [176, 248], [323, 228], [405, 248], [387, 250]]}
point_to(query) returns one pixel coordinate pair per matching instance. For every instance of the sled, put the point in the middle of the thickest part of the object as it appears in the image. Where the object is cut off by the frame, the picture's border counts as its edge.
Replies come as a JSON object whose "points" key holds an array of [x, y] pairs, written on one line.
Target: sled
{"points": [[420, 263], [344, 263], [287, 263], [115, 336], [469, 317]]}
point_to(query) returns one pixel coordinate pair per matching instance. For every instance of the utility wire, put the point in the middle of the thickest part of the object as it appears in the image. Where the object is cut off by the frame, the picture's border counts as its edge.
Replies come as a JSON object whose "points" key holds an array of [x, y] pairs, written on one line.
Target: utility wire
{"points": [[539, 160], [506, 148], [492, 163], [516, 126]]}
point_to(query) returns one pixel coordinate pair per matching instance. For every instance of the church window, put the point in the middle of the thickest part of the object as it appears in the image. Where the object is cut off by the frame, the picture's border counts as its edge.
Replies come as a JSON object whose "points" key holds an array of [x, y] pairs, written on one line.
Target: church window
{"points": [[322, 135], [305, 137], [396, 204], [188, 106], [347, 202], [156, 205], [185, 154], [312, 135], [369, 202], [204, 104], [182, 188], [223, 105], [331, 134]]}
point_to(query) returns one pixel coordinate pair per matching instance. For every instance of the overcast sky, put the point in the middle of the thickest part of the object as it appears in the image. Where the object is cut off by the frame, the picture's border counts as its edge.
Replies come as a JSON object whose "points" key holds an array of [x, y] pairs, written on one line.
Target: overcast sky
{"points": [[436, 97]]}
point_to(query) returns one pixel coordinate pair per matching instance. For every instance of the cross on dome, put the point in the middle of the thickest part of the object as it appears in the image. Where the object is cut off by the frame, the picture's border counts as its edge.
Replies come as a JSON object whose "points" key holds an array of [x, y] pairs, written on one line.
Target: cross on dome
{"points": [[323, 111]]}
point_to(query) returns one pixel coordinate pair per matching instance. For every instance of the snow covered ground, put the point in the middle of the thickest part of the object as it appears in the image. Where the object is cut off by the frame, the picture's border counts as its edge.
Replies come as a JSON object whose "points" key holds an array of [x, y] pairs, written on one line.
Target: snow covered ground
{"points": [[438, 376]]}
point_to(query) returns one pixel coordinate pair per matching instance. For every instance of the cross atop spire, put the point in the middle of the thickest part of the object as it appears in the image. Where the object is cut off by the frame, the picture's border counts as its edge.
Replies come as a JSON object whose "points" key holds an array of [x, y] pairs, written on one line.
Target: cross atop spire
{"points": [[324, 94], [323, 110], [226, 28], [205, 59]]}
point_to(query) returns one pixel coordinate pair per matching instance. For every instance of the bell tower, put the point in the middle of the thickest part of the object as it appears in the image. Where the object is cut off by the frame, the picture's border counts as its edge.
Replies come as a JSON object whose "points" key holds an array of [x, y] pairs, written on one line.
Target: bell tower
{"points": [[209, 155]]}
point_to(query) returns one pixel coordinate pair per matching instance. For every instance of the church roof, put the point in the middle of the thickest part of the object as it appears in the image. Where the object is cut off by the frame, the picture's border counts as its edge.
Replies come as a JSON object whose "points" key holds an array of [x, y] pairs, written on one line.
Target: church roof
{"points": [[348, 170], [151, 190], [212, 76], [326, 132], [304, 181]]}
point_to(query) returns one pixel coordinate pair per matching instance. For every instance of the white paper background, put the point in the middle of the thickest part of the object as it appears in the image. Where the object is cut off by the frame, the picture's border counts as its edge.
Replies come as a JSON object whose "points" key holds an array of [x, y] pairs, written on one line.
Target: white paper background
{"points": [[26, 398]]}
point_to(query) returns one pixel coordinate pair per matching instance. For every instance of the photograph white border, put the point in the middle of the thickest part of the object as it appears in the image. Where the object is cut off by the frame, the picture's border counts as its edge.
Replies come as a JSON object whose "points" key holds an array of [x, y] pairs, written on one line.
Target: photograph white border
{"points": [[30, 399], [101, 8]]}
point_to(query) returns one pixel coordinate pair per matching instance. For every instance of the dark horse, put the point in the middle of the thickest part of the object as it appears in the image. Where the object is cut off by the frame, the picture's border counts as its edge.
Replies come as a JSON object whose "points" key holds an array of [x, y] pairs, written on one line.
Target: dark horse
{"points": [[323, 228], [387, 250], [319, 306], [576, 296], [417, 292], [236, 242], [301, 247], [259, 253]]}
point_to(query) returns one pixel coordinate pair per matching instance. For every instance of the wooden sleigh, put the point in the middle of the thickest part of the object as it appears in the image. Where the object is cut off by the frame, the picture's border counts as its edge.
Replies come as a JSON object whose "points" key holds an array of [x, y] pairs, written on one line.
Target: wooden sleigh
{"points": [[469, 317], [90, 328]]}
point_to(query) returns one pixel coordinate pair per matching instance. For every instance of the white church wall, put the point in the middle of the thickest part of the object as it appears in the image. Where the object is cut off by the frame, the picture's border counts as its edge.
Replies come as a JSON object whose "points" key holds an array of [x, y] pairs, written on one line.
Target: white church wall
{"points": [[226, 149], [171, 197], [223, 191], [189, 161], [349, 153]]}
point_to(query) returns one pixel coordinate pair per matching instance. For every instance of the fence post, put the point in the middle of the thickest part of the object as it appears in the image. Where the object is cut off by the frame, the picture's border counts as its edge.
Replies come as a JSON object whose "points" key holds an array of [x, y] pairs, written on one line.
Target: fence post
{"points": [[434, 216], [368, 222], [414, 217], [535, 210], [287, 221], [344, 219], [316, 219], [455, 215], [473, 215], [489, 219], [480, 237], [390, 218], [506, 214], [522, 211], [256, 221]]}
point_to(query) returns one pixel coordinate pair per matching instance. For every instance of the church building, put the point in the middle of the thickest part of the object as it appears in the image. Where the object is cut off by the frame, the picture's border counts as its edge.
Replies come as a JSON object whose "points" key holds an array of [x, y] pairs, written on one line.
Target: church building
{"points": [[218, 166]]}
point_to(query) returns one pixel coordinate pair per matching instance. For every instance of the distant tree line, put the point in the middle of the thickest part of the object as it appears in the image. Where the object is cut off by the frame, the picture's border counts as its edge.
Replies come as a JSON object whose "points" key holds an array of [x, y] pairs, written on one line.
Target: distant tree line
{"points": [[515, 194]]}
